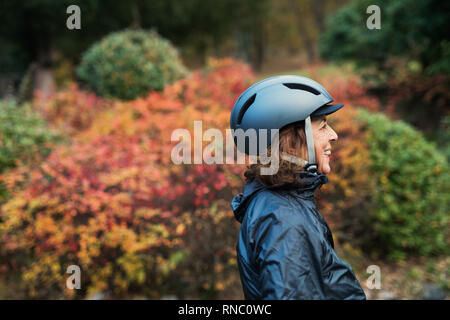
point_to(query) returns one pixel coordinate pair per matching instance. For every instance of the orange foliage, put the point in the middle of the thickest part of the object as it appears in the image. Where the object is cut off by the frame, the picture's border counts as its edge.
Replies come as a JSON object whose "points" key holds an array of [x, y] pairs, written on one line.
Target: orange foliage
{"points": [[70, 109]]}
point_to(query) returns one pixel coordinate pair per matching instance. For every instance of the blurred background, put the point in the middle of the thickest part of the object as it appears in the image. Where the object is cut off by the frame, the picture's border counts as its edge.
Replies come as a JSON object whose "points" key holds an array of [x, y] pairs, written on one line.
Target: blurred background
{"points": [[86, 117]]}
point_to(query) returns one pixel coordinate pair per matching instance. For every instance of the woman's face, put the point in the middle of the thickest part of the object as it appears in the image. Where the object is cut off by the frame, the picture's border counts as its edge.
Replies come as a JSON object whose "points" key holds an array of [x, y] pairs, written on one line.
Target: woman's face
{"points": [[323, 135]]}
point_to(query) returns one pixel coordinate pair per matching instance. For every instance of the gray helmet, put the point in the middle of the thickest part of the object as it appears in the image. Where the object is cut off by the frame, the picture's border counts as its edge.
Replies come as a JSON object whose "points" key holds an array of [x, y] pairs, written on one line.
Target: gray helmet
{"points": [[276, 102]]}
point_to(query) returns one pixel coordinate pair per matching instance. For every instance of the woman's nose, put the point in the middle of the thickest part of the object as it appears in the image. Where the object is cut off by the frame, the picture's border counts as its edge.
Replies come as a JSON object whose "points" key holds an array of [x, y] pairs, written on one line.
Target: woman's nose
{"points": [[334, 135]]}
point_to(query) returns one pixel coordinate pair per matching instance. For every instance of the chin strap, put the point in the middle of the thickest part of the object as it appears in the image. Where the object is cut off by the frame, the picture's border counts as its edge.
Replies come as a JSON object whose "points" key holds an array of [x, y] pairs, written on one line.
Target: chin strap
{"points": [[311, 165], [298, 161]]}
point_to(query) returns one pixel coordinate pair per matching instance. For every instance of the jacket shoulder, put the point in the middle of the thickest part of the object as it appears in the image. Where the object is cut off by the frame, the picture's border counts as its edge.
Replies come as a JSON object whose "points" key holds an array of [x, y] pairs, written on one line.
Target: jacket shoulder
{"points": [[275, 206]]}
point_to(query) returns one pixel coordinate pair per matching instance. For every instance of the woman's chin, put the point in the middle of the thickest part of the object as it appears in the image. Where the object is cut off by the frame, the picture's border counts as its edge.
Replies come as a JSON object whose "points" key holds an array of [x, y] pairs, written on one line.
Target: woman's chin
{"points": [[325, 169]]}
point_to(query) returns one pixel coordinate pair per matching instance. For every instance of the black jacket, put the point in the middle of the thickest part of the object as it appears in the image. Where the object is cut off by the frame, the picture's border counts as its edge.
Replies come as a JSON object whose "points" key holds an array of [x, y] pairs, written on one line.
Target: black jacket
{"points": [[285, 248]]}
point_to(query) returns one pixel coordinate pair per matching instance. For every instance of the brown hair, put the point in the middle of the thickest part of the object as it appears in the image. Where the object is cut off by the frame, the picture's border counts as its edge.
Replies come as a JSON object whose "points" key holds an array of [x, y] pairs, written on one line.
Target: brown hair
{"points": [[292, 140]]}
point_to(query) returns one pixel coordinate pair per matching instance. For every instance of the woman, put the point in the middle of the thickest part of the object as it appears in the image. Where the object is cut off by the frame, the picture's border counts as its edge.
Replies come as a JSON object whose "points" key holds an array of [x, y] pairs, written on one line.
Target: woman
{"points": [[285, 248]]}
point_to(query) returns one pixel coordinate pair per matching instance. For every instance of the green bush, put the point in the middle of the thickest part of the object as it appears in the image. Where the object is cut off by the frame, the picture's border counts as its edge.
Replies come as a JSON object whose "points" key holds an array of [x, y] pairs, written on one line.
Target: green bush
{"points": [[411, 195], [414, 30], [128, 64], [24, 136]]}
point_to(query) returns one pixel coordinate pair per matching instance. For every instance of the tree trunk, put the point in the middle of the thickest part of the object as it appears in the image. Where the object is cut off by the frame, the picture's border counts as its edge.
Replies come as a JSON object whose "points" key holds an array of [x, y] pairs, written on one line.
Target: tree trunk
{"points": [[309, 42], [40, 41], [44, 81], [318, 10], [259, 48], [6, 86], [136, 16]]}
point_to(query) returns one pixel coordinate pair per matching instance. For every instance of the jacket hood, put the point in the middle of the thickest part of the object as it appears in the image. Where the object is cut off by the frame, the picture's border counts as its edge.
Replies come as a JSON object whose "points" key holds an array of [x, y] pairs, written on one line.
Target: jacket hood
{"points": [[241, 201]]}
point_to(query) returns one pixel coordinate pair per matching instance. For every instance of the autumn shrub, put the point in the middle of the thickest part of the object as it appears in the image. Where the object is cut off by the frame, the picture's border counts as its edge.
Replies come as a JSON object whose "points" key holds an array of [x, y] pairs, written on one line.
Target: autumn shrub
{"points": [[210, 268], [71, 109], [128, 64], [419, 100], [411, 198], [24, 137], [114, 203]]}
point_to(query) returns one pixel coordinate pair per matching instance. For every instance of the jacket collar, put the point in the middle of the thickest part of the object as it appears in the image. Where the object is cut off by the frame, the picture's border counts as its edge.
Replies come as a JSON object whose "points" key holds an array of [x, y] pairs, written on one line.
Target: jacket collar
{"points": [[310, 182]]}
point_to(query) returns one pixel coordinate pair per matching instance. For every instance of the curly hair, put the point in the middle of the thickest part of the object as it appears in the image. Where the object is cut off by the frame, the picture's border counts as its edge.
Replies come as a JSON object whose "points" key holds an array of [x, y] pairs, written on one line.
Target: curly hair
{"points": [[292, 140]]}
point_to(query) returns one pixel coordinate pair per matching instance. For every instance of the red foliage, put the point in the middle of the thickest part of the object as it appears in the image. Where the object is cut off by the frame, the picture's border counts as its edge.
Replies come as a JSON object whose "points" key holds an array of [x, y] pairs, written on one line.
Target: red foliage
{"points": [[70, 109], [114, 193]]}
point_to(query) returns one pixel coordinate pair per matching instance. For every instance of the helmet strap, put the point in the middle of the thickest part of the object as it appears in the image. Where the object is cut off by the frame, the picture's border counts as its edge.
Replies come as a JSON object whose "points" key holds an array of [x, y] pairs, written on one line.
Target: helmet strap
{"points": [[291, 158], [312, 165]]}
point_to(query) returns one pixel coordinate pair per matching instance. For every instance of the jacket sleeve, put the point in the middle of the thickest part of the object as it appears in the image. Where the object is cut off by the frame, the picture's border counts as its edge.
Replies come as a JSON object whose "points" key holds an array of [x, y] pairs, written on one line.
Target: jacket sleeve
{"points": [[288, 258]]}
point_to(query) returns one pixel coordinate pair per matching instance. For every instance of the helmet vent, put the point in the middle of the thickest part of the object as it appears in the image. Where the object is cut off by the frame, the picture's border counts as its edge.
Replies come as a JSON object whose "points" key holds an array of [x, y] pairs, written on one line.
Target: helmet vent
{"points": [[299, 86], [245, 107]]}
